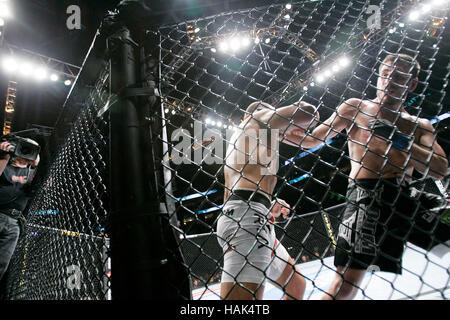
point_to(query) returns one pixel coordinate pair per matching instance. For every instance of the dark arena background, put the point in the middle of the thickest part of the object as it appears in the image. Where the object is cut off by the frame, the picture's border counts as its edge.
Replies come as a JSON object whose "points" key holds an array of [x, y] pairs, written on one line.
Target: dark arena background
{"points": [[133, 108]]}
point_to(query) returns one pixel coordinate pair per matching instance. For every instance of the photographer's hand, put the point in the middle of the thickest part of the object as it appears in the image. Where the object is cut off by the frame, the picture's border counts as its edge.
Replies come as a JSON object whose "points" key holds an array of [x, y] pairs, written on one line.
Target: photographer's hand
{"points": [[35, 163], [4, 158], [5, 146]]}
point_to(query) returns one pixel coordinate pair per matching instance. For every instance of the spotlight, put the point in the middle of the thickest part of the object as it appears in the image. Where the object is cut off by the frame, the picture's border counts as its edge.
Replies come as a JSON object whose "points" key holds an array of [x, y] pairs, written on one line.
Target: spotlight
{"points": [[327, 73], [213, 123], [197, 30], [401, 24], [219, 124], [305, 88], [2, 22], [391, 30], [213, 50], [26, 69], [287, 17], [67, 82], [223, 46], [257, 40], [235, 44], [208, 121], [426, 8], [414, 15], [320, 78], [245, 41], [344, 61], [335, 68], [174, 112], [267, 40], [5, 12], [10, 64], [289, 6], [40, 73], [166, 110], [54, 77], [437, 2]]}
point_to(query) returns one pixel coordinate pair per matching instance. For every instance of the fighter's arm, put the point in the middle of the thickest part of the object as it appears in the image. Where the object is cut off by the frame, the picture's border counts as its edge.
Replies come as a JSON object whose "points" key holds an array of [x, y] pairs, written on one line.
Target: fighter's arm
{"points": [[297, 115], [427, 155], [341, 119]]}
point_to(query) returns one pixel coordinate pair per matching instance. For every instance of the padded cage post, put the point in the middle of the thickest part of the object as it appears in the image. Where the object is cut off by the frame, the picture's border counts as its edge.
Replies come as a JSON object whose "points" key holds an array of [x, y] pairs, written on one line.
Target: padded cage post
{"points": [[143, 263]]}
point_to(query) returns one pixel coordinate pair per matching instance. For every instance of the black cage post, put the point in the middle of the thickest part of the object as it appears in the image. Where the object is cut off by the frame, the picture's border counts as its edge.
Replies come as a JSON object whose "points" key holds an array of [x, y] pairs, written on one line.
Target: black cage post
{"points": [[145, 260]]}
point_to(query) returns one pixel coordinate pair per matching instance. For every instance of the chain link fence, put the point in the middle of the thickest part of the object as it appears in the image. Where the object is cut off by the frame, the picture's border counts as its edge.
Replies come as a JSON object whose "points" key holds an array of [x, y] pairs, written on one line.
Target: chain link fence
{"points": [[208, 70]]}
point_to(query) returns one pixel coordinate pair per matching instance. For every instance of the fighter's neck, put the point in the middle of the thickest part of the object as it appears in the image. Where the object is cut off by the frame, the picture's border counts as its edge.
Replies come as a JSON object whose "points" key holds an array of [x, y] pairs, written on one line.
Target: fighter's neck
{"points": [[389, 110]]}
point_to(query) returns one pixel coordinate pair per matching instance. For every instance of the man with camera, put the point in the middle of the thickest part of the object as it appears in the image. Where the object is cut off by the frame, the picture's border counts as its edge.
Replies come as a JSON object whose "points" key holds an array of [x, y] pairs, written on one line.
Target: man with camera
{"points": [[19, 158]]}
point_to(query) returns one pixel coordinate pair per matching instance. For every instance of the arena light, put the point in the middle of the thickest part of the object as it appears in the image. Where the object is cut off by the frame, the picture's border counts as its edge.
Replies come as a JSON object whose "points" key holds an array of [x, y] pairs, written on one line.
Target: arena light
{"points": [[344, 61], [5, 11], [40, 73], [54, 77], [223, 46], [245, 41], [10, 64], [328, 72], [68, 82], [414, 15], [320, 78], [235, 44], [26, 69]]}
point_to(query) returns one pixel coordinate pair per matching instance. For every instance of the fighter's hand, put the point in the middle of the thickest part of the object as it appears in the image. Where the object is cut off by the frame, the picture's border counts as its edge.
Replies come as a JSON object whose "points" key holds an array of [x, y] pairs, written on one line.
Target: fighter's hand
{"points": [[388, 131], [296, 133], [280, 207]]}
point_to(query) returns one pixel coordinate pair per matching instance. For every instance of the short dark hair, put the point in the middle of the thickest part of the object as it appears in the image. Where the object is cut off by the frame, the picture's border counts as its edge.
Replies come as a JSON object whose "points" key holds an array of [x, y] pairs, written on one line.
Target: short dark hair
{"points": [[404, 60]]}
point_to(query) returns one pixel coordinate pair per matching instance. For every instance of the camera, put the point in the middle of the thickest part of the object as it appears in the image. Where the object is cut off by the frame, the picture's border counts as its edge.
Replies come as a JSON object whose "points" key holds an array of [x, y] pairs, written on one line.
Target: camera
{"points": [[22, 147]]}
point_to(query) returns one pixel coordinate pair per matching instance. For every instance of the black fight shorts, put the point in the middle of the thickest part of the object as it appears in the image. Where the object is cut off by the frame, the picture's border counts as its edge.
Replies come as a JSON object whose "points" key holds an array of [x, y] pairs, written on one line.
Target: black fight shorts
{"points": [[375, 226]]}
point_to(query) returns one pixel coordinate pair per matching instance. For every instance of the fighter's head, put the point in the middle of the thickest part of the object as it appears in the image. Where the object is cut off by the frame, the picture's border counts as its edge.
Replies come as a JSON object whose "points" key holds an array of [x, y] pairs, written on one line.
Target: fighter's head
{"points": [[398, 75]]}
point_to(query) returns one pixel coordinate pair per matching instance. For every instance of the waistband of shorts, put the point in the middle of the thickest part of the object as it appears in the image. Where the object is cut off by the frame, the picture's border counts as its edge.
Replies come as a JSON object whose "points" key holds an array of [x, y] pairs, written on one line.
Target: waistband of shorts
{"points": [[379, 182], [250, 195]]}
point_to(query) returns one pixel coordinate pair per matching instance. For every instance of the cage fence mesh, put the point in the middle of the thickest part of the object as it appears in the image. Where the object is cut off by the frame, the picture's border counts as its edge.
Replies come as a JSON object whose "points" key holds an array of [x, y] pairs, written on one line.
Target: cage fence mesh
{"points": [[63, 253], [211, 69]]}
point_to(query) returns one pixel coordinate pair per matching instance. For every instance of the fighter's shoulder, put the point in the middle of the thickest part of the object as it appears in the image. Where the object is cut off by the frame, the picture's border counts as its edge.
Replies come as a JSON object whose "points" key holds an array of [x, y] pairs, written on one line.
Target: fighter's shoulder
{"points": [[352, 106]]}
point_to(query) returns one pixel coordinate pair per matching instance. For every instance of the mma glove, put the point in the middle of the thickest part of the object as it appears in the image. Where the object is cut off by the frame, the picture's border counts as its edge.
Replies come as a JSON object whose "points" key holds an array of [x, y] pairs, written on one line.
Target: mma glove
{"points": [[387, 130]]}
